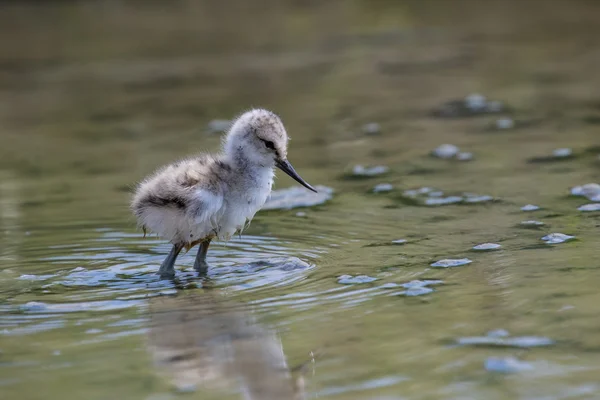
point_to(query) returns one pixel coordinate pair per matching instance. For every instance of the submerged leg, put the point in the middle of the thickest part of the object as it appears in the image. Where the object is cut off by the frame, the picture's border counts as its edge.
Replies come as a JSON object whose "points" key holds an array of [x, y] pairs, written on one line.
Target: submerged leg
{"points": [[167, 268], [200, 264]]}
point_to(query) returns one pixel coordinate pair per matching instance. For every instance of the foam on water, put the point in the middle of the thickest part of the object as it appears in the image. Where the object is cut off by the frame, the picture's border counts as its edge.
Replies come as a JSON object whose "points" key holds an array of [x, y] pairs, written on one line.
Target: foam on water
{"points": [[297, 196], [450, 263]]}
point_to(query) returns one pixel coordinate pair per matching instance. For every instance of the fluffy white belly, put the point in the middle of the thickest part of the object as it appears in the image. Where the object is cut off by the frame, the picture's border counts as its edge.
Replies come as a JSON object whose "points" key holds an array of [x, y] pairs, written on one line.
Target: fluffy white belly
{"points": [[240, 210]]}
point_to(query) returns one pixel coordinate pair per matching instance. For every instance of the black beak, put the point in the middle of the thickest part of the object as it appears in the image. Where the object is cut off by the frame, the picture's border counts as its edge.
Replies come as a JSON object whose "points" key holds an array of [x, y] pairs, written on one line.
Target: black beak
{"points": [[286, 167]]}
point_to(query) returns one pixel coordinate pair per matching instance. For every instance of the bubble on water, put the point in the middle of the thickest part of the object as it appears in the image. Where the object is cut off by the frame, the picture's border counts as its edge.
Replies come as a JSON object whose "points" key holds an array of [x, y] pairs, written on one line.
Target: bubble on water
{"points": [[590, 190], [590, 207], [506, 365], [449, 263], [472, 105], [464, 156], [412, 286], [418, 284], [487, 247], [556, 155], [445, 151], [505, 123], [555, 238], [34, 306], [530, 207], [476, 101], [562, 152], [301, 214], [383, 187], [297, 196], [93, 331], [416, 291], [432, 197], [350, 280], [529, 341], [475, 198], [371, 128], [580, 191], [399, 241], [440, 201], [363, 171], [56, 353], [419, 192], [518, 341], [532, 223], [498, 333]]}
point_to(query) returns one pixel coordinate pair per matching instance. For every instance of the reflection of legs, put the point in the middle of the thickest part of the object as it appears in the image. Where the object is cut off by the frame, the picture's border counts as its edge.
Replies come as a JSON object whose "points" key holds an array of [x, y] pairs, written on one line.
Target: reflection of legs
{"points": [[299, 372], [167, 268], [200, 264]]}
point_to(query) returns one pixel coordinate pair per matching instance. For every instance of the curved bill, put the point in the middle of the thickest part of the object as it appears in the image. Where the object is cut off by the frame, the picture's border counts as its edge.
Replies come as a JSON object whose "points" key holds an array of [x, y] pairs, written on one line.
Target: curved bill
{"points": [[286, 167]]}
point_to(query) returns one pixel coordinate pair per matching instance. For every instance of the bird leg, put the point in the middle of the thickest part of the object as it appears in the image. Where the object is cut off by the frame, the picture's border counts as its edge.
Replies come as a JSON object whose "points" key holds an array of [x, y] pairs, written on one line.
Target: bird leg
{"points": [[167, 268], [200, 264]]}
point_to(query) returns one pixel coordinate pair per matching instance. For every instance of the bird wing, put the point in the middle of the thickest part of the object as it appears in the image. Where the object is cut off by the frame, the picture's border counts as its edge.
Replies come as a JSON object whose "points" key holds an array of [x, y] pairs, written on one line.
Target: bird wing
{"points": [[206, 207]]}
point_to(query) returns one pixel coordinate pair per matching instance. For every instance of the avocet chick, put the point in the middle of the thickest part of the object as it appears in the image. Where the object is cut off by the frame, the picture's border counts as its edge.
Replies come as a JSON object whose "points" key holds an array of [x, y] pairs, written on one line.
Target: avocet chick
{"points": [[195, 200]]}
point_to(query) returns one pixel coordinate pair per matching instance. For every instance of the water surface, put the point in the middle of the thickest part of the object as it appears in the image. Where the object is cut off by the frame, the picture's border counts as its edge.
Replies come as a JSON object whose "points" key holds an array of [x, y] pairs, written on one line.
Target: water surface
{"points": [[95, 95]]}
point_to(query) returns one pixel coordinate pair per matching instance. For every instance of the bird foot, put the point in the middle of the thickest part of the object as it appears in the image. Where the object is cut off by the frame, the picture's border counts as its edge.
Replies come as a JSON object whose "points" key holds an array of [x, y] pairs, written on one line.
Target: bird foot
{"points": [[167, 268], [166, 274], [201, 267]]}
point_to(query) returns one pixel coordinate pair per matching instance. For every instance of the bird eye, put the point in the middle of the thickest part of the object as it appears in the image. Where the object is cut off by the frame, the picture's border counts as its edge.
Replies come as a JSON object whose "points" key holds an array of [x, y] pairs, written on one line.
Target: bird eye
{"points": [[269, 144]]}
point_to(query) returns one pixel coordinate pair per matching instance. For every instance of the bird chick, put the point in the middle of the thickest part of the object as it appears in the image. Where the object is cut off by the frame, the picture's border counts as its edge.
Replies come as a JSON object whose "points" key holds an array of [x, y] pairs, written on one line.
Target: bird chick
{"points": [[195, 200]]}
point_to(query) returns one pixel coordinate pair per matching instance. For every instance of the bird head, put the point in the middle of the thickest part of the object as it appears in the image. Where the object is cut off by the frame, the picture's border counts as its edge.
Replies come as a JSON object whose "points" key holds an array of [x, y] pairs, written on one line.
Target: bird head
{"points": [[258, 137]]}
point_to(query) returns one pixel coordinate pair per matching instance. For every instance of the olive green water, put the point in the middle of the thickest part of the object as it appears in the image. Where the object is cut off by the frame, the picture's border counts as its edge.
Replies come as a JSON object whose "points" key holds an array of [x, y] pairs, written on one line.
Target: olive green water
{"points": [[95, 95]]}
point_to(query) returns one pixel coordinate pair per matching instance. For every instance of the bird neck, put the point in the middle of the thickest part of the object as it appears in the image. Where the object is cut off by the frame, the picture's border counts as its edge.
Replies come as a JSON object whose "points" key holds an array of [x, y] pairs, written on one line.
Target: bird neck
{"points": [[247, 165]]}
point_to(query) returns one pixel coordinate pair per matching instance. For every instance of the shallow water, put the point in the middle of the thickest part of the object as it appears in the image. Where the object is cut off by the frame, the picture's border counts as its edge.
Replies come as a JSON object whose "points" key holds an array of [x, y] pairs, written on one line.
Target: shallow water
{"points": [[333, 301]]}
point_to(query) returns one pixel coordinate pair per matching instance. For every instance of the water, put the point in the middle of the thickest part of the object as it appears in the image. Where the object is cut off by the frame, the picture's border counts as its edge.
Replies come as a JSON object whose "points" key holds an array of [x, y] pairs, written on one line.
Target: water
{"points": [[96, 95]]}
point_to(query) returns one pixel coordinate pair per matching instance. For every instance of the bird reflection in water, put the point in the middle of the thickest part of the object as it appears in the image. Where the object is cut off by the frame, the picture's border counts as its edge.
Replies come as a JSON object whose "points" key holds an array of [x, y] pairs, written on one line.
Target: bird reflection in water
{"points": [[206, 342]]}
